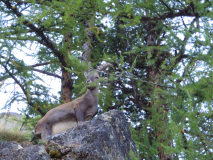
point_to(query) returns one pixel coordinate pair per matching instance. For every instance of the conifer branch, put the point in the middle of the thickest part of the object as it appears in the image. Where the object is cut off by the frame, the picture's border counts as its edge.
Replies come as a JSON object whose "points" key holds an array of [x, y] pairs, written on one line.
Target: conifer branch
{"points": [[204, 144], [47, 73], [185, 12], [40, 64], [37, 70], [23, 90], [39, 32], [166, 6]]}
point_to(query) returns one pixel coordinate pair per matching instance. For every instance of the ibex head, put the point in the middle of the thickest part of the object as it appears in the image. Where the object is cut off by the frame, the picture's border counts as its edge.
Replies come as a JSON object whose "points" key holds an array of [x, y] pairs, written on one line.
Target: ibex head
{"points": [[92, 76]]}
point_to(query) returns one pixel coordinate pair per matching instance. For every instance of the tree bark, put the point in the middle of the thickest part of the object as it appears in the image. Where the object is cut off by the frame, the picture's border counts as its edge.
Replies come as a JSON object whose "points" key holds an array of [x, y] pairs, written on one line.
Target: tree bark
{"points": [[66, 86], [66, 82], [153, 71], [87, 46]]}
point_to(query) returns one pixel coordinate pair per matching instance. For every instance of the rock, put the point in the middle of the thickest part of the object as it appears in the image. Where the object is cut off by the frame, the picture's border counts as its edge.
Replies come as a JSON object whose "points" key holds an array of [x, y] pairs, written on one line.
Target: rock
{"points": [[105, 137], [14, 151]]}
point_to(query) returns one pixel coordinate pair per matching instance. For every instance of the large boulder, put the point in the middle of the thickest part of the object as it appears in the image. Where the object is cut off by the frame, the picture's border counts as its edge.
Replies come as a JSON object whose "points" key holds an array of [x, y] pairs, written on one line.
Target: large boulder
{"points": [[105, 137]]}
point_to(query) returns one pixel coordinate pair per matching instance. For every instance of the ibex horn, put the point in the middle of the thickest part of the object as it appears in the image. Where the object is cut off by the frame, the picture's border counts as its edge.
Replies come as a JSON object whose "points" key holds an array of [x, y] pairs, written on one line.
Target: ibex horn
{"points": [[90, 67], [104, 66]]}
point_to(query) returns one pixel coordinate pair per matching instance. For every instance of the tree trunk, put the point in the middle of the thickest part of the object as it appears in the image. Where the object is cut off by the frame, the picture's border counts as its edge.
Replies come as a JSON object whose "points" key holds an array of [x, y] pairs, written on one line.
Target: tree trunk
{"points": [[153, 72], [87, 46], [66, 82], [66, 86]]}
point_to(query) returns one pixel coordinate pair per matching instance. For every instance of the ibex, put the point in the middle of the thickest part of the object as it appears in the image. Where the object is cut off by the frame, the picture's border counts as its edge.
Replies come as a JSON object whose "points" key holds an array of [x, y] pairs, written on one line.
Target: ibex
{"points": [[67, 115]]}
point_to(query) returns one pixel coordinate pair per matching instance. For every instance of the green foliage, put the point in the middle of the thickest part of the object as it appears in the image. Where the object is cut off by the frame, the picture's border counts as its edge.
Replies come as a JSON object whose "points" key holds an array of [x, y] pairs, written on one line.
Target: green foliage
{"points": [[42, 142], [133, 156], [162, 57]]}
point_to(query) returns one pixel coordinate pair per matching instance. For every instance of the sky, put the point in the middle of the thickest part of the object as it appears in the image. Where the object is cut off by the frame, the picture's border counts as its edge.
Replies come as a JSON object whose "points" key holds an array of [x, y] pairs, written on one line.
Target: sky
{"points": [[7, 87], [6, 93]]}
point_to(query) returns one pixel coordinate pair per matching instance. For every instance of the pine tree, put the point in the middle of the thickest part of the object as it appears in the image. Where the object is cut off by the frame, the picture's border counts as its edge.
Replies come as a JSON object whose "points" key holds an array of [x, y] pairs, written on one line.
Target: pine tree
{"points": [[161, 52]]}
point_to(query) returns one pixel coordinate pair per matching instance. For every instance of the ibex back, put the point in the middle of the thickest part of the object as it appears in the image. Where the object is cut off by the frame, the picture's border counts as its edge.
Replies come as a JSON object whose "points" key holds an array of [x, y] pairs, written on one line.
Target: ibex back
{"points": [[67, 115]]}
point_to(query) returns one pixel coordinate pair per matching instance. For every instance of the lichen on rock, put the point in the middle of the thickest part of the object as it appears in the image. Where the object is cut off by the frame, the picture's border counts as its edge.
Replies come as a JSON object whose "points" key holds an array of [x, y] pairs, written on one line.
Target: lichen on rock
{"points": [[105, 137]]}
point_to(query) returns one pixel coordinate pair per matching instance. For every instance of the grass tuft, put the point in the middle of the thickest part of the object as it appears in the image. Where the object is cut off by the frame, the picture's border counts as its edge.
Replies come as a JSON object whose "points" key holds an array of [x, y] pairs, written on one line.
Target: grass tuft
{"points": [[13, 135]]}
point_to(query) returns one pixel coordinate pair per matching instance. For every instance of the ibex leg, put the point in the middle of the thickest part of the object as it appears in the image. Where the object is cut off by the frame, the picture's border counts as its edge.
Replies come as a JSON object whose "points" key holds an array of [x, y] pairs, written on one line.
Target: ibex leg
{"points": [[79, 115], [46, 131]]}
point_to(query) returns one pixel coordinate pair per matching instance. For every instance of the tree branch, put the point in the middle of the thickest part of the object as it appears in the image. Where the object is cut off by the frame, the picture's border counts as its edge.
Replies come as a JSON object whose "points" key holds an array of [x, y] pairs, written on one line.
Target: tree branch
{"points": [[47, 73], [166, 6], [39, 32], [182, 12], [24, 91], [40, 64], [37, 70]]}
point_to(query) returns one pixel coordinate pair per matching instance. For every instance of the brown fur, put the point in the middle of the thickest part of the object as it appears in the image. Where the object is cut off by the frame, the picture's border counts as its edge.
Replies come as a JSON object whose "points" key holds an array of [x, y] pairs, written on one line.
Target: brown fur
{"points": [[67, 115]]}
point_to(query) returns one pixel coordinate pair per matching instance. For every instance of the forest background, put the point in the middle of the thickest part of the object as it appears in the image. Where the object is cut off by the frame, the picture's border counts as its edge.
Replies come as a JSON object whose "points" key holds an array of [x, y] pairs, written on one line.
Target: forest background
{"points": [[161, 51]]}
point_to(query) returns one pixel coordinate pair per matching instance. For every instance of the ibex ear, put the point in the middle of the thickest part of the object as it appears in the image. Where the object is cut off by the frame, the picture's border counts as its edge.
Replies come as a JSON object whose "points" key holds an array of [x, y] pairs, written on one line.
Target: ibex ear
{"points": [[85, 74]]}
